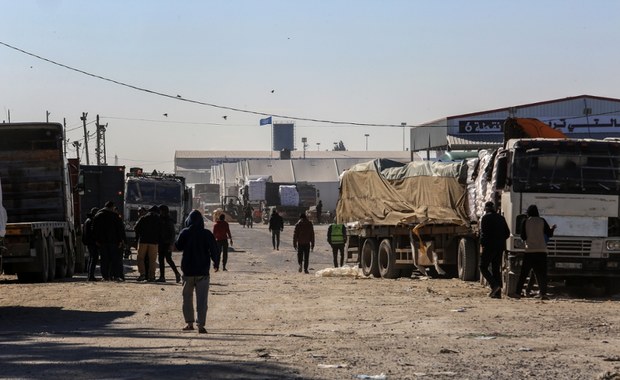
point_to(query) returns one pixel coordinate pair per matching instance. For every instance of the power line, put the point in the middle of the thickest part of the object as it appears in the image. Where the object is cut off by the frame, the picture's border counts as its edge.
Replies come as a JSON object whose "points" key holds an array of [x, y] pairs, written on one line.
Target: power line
{"points": [[179, 98]]}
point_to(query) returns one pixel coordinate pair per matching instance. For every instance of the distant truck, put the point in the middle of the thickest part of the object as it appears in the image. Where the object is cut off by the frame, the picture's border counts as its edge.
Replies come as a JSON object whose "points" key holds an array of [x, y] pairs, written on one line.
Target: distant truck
{"points": [[209, 195], [426, 214], [41, 239], [98, 184], [290, 199], [154, 189]]}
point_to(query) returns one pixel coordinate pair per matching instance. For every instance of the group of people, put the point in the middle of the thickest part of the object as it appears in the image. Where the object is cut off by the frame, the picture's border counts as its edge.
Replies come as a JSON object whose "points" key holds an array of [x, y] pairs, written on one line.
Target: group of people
{"points": [[535, 232]]}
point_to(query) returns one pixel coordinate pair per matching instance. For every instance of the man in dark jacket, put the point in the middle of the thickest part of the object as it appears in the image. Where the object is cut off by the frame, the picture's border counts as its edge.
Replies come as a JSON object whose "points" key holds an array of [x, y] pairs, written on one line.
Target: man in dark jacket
{"points": [[199, 249], [88, 239], [165, 245], [493, 234], [303, 241], [276, 225], [109, 235], [148, 231]]}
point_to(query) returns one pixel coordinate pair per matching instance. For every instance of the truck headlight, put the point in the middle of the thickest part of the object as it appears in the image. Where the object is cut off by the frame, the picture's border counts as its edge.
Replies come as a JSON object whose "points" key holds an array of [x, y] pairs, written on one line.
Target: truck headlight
{"points": [[612, 245]]}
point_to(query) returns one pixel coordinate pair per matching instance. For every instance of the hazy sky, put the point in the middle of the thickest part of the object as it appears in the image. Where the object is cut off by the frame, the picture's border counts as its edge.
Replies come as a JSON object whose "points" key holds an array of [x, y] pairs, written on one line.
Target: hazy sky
{"points": [[373, 62]]}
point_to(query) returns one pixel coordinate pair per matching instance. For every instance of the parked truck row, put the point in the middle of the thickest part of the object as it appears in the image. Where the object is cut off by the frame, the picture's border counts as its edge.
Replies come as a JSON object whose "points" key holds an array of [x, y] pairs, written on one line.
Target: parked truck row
{"points": [[422, 215]]}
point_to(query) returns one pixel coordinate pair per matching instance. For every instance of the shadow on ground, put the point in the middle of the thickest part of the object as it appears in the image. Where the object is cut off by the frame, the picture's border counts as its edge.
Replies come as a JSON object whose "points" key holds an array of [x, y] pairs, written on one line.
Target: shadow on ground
{"points": [[34, 344]]}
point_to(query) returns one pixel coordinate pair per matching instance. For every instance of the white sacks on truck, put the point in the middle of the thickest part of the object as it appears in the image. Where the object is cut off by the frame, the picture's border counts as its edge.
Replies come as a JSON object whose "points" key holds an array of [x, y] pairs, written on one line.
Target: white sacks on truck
{"points": [[256, 189], [288, 195]]}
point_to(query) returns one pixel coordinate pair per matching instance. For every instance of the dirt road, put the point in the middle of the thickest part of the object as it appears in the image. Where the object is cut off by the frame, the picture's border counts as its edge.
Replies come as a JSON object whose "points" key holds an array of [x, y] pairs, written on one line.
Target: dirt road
{"points": [[267, 321]]}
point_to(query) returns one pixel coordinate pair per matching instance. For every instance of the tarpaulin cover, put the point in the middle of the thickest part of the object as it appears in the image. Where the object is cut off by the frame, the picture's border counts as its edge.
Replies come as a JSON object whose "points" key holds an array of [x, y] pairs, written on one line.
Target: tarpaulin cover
{"points": [[418, 192]]}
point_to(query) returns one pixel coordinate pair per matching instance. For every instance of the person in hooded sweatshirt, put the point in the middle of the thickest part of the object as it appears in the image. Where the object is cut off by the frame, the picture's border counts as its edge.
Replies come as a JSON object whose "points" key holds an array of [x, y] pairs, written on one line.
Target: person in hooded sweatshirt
{"points": [[199, 249]]}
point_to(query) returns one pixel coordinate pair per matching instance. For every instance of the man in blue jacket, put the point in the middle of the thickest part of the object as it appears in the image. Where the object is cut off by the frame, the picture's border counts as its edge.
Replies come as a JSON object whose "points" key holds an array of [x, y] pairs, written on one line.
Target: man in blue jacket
{"points": [[199, 249]]}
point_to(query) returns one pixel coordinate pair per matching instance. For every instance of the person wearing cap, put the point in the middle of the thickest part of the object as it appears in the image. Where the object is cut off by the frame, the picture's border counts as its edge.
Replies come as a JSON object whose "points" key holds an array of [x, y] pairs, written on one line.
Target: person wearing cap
{"points": [[303, 241], [493, 234], [88, 239], [148, 233]]}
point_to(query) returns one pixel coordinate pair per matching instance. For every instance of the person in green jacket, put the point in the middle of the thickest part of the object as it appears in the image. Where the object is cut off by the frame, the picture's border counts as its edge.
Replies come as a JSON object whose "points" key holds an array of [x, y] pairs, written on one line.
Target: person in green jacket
{"points": [[336, 237]]}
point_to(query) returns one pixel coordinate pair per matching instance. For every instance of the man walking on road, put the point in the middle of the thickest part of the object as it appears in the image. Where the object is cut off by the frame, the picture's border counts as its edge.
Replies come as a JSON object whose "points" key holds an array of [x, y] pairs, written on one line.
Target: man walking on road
{"points": [[199, 249], [276, 225], [336, 237], [303, 241], [221, 230], [493, 234], [165, 245]]}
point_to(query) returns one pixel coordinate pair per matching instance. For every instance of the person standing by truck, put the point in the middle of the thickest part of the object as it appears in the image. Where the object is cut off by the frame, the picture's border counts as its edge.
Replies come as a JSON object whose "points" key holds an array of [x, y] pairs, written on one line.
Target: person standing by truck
{"points": [[303, 241], [319, 211], [88, 239], [109, 235], [535, 232], [493, 234], [165, 245], [276, 225], [148, 231], [336, 237], [221, 231]]}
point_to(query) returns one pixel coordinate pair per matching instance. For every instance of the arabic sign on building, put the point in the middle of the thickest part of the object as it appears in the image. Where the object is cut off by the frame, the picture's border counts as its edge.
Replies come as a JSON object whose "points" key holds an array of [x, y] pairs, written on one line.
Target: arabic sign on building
{"points": [[481, 126], [566, 125]]}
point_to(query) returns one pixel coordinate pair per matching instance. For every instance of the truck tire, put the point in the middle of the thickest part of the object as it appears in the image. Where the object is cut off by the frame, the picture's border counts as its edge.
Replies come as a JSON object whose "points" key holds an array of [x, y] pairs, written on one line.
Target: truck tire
{"points": [[62, 264], [71, 253], [387, 260], [467, 262], [43, 255], [369, 262], [51, 268]]}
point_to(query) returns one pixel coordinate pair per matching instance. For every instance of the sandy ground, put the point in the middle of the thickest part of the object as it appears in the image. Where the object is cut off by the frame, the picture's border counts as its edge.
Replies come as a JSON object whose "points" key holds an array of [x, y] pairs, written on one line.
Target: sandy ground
{"points": [[267, 321]]}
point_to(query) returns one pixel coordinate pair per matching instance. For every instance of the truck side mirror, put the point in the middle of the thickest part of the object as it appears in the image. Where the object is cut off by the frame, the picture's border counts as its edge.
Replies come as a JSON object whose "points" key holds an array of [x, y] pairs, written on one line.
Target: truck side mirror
{"points": [[520, 219], [501, 167]]}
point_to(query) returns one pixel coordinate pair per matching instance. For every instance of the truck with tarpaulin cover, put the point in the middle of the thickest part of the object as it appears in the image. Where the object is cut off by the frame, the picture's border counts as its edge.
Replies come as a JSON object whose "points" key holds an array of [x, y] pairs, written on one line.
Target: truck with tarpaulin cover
{"points": [[145, 190], [575, 184], [41, 239]]}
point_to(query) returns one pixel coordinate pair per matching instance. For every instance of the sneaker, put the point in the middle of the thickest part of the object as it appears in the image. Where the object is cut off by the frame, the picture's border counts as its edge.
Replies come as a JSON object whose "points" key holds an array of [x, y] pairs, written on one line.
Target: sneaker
{"points": [[161, 279], [306, 272], [300, 269], [178, 277], [202, 330], [225, 270], [151, 279], [188, 327], [141, 278]]}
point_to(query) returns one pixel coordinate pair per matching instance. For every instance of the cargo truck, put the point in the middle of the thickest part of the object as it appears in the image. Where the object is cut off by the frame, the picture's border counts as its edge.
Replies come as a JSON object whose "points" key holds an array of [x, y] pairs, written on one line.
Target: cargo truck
{"points": [[290, 199], [424, 214], [98, 184], [154, 189], [41, 238]]}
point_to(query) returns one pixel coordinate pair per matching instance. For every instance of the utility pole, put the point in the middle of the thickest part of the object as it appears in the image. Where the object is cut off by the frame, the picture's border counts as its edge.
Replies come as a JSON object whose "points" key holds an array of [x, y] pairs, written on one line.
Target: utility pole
{"points": [[100, 149], [47, 116], [404, 125], [77, 144], [64, 135], [83, 118]]}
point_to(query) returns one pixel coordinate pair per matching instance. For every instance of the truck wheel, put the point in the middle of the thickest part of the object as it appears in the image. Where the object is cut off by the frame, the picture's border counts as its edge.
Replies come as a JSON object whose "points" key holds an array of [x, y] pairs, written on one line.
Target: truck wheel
{"points": [[387, 260], [467, 259], [43, 255], [61, 265], [70, 245], [51, 254], [369, 262]]}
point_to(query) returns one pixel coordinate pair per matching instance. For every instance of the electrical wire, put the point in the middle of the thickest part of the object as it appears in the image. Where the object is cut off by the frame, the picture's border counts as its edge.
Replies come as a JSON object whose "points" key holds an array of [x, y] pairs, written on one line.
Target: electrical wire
{"points": [[179, 98]]}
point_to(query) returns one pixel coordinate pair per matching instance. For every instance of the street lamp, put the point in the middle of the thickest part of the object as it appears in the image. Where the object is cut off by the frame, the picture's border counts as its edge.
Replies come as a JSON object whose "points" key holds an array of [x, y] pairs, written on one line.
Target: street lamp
{"points": [[366, 135], [403, 125], [317, 146], [304, 142]]}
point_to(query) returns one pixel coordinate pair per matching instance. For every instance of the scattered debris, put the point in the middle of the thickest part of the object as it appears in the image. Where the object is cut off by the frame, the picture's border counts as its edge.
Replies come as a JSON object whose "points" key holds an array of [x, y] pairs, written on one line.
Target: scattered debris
{"points": [[525, 349], [459, 310], [447, 351], [371, 377], [342, 365]]}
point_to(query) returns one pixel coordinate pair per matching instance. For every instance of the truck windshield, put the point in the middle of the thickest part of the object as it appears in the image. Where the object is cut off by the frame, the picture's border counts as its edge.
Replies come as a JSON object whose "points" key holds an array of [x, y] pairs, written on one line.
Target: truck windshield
{"points": [[153, 192], [591, 167]]}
